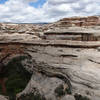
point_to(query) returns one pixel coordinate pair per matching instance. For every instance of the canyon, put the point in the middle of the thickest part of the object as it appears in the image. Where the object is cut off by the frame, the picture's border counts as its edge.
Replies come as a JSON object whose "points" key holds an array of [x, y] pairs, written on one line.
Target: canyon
{"points": [[55, 61]]}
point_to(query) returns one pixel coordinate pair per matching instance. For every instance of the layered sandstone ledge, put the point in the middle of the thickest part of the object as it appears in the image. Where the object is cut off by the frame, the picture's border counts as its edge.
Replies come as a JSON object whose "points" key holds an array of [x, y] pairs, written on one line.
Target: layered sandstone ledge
{"points": [[63, 62], [81, 21], [55, 43]]}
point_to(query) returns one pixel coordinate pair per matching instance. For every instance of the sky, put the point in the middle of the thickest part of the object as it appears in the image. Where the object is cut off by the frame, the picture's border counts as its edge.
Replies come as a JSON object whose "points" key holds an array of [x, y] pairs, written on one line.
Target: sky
{"points": [[38, 11]]}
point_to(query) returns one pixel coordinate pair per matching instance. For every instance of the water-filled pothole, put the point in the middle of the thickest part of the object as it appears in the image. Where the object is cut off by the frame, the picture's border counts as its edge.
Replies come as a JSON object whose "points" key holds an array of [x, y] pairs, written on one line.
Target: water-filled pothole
{"points": [[14, 78]]}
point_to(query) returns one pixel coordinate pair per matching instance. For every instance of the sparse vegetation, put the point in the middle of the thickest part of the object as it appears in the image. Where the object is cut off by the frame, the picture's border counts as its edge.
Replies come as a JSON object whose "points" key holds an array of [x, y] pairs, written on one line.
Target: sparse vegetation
{"points": [[80, 97], [60, 91], [17, 77], [32, 96]]}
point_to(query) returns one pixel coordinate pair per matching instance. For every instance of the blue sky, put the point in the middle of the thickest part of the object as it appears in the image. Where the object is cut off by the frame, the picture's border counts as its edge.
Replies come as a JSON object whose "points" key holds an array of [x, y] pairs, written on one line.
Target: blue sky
{"points": [[38, 3], [35, 11], [2, 1]]}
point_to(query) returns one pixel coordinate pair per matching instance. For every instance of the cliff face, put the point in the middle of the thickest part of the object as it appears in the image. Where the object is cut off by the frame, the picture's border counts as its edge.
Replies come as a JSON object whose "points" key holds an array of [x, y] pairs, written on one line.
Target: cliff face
{"points": [[81, 21], [58, 64]]}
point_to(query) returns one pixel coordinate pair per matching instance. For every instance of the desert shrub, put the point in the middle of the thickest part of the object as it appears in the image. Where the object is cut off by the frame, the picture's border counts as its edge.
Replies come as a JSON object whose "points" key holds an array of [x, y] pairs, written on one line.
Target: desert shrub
{"points": [[80, 97], [60, 91], [32, 96], [17, 76]]}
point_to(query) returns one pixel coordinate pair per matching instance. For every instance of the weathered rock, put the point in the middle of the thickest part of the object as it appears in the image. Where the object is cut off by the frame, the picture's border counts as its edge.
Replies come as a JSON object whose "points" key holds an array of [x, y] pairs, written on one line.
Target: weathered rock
{"points": [[18, 37], [78, 73], [98, 48], [68, 97], [61, 69], [81, 21], [3, 98]]}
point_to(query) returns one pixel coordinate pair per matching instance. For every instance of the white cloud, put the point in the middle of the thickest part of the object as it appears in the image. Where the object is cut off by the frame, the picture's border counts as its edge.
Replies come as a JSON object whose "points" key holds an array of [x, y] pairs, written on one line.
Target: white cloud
{"points": [[66, 8], [19, 11], [52, 10]]}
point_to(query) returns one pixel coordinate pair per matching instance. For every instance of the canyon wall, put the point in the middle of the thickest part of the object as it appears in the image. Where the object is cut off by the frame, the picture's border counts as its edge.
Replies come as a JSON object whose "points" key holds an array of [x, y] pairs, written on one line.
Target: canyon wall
{"points": [[51, 62]]}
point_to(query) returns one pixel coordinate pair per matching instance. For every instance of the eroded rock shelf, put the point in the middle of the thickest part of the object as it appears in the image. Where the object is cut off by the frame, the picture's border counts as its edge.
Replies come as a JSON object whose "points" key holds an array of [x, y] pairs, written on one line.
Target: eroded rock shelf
{"points": [[50, 62]]}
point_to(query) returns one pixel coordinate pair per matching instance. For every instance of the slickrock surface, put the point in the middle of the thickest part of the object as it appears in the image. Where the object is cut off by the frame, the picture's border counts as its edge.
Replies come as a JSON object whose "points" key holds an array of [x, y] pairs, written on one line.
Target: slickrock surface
{"points": [[3, 98], [60, 62]]}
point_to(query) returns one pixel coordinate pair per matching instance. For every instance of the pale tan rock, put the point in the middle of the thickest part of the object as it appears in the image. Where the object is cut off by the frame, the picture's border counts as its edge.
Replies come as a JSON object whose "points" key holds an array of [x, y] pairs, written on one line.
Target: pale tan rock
{"points": [[74, 65], [3, 98]]}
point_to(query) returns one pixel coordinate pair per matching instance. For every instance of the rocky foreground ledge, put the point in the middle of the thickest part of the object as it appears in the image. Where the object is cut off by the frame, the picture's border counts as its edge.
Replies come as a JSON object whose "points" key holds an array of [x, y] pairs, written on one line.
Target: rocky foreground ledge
{"points": [[50, 66]]}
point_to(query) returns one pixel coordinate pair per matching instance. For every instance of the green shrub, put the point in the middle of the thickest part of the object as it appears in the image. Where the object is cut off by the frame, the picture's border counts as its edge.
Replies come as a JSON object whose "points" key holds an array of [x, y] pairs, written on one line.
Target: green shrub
{"points": [[80, 97], [32, 96], [60, 91], [17, 77]]}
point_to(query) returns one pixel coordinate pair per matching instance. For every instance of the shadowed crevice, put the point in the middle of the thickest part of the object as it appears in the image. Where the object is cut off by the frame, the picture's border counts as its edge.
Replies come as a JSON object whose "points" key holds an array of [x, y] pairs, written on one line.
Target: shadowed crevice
{"points": [[15, 77]]}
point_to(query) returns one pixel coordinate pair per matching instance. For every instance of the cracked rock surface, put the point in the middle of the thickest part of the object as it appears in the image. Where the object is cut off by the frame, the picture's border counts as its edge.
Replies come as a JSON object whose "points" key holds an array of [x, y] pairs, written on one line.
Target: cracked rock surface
{"points": [[37, 64]]}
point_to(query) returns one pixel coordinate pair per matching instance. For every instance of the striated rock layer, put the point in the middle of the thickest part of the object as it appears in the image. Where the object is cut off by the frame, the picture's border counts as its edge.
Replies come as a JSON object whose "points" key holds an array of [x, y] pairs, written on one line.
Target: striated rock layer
{"points": [[59, 63], [81, 21]]}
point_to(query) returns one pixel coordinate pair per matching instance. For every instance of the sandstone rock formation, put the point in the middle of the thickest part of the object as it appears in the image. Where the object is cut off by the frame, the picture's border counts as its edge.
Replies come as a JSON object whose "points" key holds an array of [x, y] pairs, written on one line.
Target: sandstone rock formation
{"points": [[80, 21], [55, 63], [3, 98]]}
